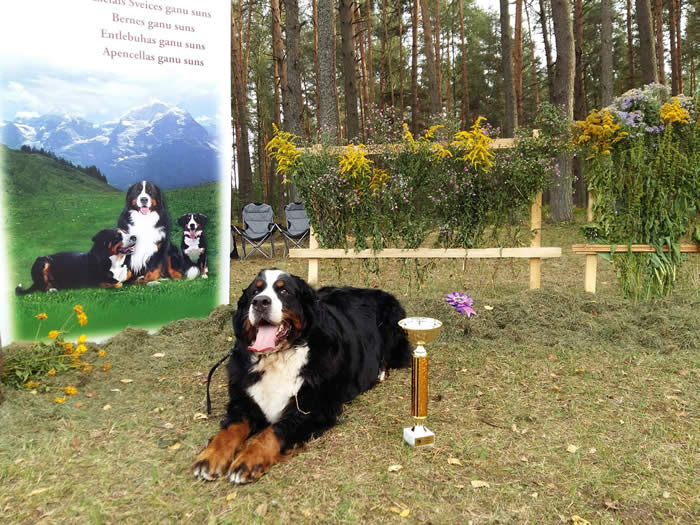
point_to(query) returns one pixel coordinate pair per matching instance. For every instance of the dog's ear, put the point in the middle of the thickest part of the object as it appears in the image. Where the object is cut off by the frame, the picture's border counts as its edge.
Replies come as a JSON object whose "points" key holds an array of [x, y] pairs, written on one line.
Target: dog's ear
{"points": [[183, 219], [202, 219]]}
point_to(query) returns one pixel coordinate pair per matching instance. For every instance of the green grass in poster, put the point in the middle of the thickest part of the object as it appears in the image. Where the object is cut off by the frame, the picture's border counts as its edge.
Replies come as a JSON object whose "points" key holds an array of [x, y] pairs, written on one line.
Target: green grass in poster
{"points": [[51, 207]]}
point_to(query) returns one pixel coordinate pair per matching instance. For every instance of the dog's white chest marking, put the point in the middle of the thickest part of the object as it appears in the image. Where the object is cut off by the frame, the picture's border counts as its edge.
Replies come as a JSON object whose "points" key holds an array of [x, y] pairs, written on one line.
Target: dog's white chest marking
{"points": [[280, 380], [118, 269], [193, 251], [147, 237]]}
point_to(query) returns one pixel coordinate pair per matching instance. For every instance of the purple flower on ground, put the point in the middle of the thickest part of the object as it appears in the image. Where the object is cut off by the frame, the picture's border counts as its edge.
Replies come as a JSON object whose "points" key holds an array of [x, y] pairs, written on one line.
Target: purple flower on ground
{"points": [[462, 302]]}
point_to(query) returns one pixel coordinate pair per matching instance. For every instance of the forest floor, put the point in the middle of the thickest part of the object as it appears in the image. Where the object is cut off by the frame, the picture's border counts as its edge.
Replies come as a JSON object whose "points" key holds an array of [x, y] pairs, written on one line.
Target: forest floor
{"points": [[549, 406]]}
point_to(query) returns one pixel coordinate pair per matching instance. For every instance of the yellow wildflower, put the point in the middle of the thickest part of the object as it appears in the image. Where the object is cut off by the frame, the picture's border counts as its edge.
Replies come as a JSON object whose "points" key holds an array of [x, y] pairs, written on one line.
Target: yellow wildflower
{"points": [[599, 131], [281, 147], [440, 152], [82, 339], [88, 368], [59, 400], [408, 138], [101, 353], [53, 334], [42, 316], [107, 367], [80, 349], [68, 348], [70, 390], [32, 384], [51, 372], [78, 309], [674, 112], [431, 131], [82, 319], [379, 178], [476, 145]]}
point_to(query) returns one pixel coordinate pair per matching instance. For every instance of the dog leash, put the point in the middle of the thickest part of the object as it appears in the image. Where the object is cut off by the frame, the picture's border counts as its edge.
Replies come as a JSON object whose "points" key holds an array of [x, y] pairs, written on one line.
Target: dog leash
{"points": [[211, 372]]}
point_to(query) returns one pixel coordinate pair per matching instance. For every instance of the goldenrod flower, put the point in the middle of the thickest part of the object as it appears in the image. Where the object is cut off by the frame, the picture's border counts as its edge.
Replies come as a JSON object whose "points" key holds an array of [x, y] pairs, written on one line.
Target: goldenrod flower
{"points": [[600, 131], [282, 148], [408, 137], [42, 316], [101, 353], [59, 400], [674, 112], [82, 339], [440, 152], [80, 349], [70, 390], [51, 372], [477, 146], [379, 178], [78, 309], [82, 319], [53, 334], [68, 348], [431, 131]]}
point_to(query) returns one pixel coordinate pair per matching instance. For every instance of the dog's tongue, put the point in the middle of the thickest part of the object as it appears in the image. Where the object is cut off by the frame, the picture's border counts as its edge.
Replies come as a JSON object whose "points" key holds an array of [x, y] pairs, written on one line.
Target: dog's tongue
{"points": [[192, 234], [266, 338], [144, 210]]}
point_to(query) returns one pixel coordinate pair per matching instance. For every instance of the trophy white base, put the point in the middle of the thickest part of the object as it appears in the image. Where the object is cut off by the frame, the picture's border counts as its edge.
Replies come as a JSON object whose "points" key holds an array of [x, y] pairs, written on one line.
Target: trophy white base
{"points": [[418, 436]]}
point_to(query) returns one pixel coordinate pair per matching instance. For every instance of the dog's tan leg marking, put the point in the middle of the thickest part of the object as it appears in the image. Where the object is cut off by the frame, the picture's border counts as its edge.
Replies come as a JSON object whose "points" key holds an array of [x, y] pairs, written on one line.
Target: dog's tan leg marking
{"points": [[263, 451], [152, 276], [174, 274], [215, 459]]}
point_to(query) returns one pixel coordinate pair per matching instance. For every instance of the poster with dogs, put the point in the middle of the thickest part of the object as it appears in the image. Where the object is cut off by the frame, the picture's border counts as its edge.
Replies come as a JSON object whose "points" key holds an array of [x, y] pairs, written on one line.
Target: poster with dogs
{"points": [[115, 162]]}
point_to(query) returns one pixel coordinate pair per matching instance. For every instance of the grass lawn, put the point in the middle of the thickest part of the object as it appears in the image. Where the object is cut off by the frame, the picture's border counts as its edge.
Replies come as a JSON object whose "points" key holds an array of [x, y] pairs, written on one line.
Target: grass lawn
{"points": [[565, 404]]}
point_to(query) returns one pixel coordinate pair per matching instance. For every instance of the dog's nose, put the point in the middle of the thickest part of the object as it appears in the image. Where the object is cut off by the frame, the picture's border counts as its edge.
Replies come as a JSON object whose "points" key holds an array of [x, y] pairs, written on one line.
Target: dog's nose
{"points": [[144, 200], [261, 303]]}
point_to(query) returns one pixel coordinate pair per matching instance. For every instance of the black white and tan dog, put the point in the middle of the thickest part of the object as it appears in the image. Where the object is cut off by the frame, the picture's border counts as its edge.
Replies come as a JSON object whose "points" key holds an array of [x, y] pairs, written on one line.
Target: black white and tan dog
{"points": [[103, 266], [194, 245], [299, 355], [145, 215]]}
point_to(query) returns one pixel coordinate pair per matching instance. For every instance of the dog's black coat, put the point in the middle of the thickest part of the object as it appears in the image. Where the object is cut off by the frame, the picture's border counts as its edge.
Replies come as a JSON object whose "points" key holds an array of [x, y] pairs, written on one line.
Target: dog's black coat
{"points": [[352, 335], [79, 269], [193, 247], [154, 256]]}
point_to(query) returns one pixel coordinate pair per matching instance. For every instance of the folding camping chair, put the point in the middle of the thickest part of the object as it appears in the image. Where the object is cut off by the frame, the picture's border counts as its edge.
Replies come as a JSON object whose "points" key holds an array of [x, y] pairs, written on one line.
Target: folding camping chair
{"points": [[258, 227], [297, 225]]}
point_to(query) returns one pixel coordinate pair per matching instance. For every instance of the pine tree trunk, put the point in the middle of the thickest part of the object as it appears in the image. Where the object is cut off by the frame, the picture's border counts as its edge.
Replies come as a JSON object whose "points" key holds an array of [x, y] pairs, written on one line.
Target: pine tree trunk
{"points": [[630, 47], [510, 117], [465, 116], [431, 67], [547, 47], [362, 67], [561, 192], [606, 52], [370, 69], [533, 62], [245, 173], [414, 67], [280, 69], [352, 123], [401, 68], [647, 53], [438, 54], [294, 109], [659, 30], [679, 51], [326, 69], [518, 59], [580, 189]]}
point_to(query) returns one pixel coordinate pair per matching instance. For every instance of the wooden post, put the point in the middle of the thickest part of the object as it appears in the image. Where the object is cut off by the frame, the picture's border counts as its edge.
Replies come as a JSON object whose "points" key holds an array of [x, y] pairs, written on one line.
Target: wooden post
{"points": [[589, 207], [591, 269], [313, 263], [536, 226]]}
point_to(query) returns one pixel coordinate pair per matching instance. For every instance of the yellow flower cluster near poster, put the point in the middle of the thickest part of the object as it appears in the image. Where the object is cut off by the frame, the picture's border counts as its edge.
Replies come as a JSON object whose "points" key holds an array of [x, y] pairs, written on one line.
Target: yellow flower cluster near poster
{"points": [[115, 147]]}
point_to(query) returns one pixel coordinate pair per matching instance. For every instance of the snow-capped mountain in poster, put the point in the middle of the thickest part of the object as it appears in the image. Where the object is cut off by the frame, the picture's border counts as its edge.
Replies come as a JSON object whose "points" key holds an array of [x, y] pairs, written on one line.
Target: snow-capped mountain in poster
{"points": [[158, 142]]}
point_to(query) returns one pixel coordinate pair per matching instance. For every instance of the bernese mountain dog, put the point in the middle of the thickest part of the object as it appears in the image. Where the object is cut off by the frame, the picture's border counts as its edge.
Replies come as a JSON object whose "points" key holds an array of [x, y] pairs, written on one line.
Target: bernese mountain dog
{"points": [[145, 215], [299, 355], [103, 266], [194, 245]]}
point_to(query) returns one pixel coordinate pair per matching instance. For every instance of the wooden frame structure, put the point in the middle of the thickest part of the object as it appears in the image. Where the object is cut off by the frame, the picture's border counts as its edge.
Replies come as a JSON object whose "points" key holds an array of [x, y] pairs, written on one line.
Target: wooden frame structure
{"points": [[591, 252]]}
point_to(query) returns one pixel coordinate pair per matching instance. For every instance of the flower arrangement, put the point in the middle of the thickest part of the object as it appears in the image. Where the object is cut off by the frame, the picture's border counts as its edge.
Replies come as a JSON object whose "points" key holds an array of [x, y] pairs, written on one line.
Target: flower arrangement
{"points": [[642, 165], [46, 359]]}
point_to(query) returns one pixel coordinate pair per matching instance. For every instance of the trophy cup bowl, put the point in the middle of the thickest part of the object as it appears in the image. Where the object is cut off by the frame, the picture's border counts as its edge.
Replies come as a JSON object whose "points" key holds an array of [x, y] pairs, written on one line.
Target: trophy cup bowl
{"points": [[420, 331]]}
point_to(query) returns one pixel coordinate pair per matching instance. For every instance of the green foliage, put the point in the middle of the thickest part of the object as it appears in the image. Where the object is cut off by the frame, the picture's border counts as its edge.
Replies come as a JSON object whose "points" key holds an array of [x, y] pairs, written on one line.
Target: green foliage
{"points": [[647, 190]]}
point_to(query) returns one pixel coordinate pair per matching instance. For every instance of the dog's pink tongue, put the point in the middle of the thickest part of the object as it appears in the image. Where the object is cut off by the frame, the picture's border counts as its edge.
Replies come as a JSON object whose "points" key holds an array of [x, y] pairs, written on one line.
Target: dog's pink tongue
{"points": [[192, 234], [266, 338], [144, 210]]}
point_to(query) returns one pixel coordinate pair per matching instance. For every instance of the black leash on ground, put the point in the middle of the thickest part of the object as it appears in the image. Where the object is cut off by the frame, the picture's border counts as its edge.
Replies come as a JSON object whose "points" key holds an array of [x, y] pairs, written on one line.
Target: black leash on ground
{"points": [[211, 372]]}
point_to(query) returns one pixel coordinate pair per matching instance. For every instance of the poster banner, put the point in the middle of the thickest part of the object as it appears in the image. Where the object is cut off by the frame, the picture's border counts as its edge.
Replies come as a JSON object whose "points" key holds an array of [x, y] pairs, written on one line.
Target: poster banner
{"points": [[115, 162]]}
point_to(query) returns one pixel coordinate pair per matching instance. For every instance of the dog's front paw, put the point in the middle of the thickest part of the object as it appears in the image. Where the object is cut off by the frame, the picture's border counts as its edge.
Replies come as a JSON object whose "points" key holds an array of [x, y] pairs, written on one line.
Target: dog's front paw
{"points": [[263, 451], [214, 461]]}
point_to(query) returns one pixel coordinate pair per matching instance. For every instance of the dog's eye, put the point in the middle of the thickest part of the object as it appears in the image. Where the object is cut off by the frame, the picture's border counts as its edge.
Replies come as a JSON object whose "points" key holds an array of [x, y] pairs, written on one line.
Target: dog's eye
{"points": [[283, 291]]}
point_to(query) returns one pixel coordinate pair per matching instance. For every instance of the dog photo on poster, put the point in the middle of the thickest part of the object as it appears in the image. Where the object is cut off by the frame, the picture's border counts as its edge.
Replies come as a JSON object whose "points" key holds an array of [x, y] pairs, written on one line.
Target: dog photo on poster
{"points": [[115, 157]]}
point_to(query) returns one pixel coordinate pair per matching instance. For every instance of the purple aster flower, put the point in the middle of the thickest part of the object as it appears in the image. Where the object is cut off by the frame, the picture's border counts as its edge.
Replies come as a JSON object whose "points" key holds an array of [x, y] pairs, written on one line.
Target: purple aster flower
{"points": [[462, 302]]}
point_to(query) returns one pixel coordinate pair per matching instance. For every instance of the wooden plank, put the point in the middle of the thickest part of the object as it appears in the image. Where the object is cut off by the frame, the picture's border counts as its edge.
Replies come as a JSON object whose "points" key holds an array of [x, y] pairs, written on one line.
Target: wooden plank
{"points": [[591, 270], [536, 227], [623, 248], [428, 253], [313, 263]]}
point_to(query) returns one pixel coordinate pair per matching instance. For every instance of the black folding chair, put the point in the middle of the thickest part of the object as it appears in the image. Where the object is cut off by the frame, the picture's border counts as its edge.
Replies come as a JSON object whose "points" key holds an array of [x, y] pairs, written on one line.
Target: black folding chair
{"points": [[297, 225], [258, 227]]}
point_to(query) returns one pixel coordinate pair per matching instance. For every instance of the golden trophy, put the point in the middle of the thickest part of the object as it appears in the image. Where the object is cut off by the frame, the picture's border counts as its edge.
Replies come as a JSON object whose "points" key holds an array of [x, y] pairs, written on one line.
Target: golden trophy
{"points": [[420, 331]]}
